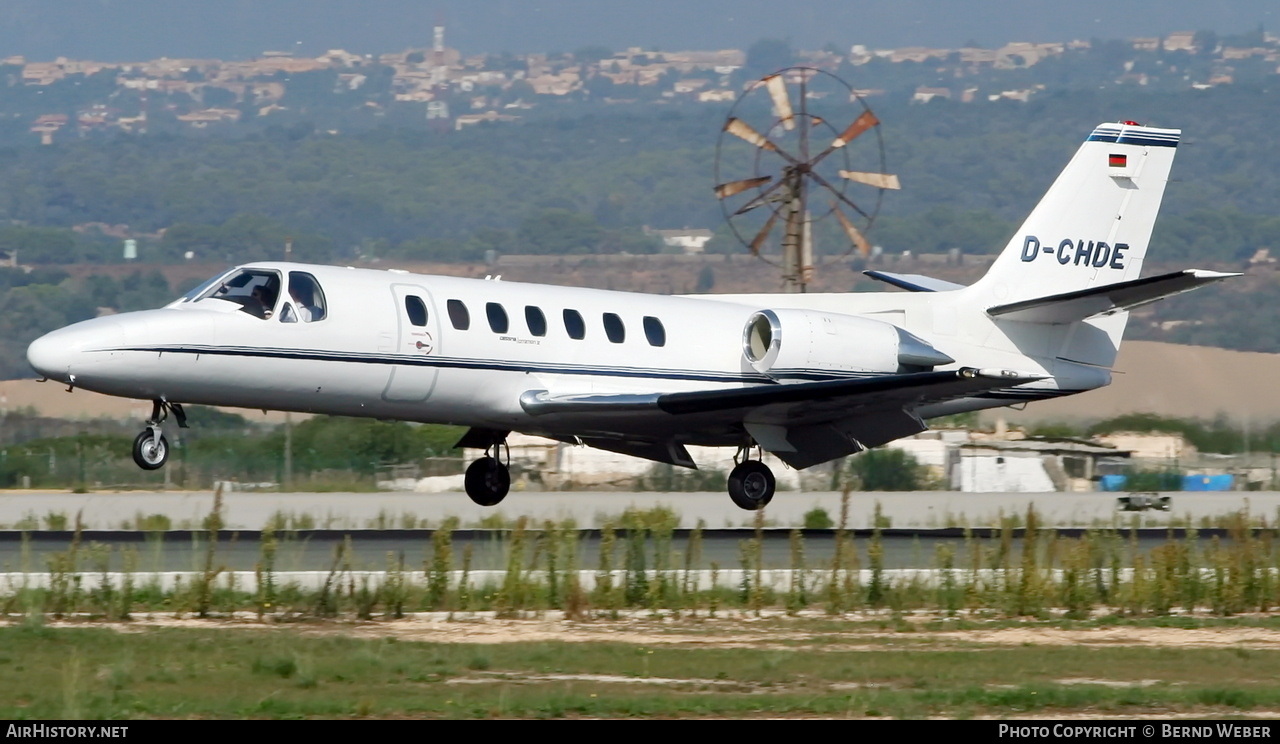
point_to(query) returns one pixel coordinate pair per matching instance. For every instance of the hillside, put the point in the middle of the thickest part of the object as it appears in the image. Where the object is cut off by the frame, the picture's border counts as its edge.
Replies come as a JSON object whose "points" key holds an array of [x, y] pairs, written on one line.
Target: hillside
{"points": [[1172, 380]]}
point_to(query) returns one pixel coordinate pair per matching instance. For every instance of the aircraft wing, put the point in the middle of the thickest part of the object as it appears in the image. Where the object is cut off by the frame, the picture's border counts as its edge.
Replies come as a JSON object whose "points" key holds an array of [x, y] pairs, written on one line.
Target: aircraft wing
{"points": [[1070, 307], [802, 423]]}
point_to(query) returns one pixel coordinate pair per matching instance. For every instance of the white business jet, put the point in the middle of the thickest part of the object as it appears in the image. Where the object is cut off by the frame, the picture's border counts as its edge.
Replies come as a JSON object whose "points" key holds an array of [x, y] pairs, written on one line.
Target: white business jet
{"points": [[807, 377]]}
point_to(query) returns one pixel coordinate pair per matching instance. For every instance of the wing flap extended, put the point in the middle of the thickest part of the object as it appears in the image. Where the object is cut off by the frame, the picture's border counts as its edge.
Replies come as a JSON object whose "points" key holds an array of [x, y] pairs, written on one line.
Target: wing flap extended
{"points": [[1086, 303], [803, 423]]}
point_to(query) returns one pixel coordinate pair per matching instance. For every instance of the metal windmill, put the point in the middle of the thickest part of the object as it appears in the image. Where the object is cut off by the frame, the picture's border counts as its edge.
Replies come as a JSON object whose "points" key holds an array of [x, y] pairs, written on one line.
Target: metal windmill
{"points": [[778, 164]]}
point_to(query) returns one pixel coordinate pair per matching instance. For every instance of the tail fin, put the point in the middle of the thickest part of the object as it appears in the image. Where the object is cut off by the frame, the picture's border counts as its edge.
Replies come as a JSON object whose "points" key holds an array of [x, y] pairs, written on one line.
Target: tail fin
{"points": [[1093, 225]]}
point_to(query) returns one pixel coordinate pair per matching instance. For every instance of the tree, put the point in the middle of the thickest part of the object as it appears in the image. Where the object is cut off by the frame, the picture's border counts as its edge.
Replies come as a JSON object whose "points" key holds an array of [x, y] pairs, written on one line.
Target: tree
{"points": [[1205, 41], [215, 97], [887, 469], [591, 55], [557, 231], [39, 245], [599, 86]]}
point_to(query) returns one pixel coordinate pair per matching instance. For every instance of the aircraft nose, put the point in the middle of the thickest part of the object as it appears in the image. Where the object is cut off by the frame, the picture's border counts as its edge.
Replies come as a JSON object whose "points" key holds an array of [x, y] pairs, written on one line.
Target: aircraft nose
{"points": [[51, 355]]}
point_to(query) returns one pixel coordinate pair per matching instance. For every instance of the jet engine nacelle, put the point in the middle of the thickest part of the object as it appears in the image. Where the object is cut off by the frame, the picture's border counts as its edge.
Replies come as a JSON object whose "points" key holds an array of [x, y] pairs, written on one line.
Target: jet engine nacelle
{"points": [[795, 344]]}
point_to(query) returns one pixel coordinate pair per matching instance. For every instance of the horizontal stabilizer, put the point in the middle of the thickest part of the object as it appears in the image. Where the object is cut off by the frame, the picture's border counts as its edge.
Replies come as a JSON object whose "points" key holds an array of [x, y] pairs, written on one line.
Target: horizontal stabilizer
{"points": [[914, 282], [1086, 303]]}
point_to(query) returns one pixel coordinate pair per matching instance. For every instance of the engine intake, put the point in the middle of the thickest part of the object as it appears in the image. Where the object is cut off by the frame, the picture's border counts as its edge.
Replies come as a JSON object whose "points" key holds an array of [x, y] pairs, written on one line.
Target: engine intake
{"points": [[802, 344]]}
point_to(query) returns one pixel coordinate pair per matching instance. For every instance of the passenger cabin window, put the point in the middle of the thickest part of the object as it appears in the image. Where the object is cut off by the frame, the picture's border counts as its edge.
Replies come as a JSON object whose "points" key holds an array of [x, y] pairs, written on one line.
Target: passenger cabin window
{"points": [[416, 309], [497, 317], [458, 315], [614, 329], [256, 291], [574, 325], [305, 301], [654, 331], [536, 321]]}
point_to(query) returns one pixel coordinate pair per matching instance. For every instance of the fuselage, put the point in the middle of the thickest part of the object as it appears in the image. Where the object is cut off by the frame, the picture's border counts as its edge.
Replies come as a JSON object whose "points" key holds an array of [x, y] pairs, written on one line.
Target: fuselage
{"points": [[436, 349]]}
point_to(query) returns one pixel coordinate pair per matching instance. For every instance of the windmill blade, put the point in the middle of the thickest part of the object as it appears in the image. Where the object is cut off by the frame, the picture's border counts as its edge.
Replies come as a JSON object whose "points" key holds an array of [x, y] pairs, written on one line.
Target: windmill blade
{"points": [[763, 197], [781, 101], [866, 120], [879, 180], [763, 235], [740, 128], [855, 235], [743, 130], [726, 190], [861, 124]]}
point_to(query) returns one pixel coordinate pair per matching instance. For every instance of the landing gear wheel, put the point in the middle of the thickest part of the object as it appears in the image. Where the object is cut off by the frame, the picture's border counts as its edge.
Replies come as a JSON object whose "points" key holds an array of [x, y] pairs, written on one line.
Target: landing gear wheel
{"points": [[150, 450], [751, 485], [487, 481]]}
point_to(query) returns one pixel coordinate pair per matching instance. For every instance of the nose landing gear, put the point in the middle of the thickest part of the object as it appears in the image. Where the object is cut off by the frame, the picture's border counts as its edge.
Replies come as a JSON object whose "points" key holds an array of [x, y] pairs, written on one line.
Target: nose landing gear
{"points": [[488, 479], [150, 448], [751, 482]]}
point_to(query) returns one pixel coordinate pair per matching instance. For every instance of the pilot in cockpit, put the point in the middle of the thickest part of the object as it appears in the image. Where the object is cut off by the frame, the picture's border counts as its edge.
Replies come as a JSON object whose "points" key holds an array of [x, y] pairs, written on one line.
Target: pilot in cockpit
{"points": [[300, 292], [265, 297]]}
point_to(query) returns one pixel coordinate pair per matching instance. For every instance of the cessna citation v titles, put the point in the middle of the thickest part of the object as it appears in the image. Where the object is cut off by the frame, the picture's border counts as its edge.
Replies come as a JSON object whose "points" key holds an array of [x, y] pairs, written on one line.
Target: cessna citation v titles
{"points": [[807, 377]]}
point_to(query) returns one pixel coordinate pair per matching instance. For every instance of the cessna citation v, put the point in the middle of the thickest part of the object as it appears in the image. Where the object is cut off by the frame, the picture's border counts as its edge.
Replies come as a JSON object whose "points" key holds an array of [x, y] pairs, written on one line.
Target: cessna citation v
{"points": [[807, 377]]}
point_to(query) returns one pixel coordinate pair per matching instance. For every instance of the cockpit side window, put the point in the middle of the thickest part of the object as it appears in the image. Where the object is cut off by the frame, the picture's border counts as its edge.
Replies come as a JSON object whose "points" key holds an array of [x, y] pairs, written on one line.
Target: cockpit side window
{"points": [[307, 297], [257, 291]]}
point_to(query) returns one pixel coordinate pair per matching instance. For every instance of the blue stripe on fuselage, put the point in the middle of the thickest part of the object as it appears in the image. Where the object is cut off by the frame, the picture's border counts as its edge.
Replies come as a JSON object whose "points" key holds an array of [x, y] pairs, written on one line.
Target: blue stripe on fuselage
{"points": [[1022, 394]]}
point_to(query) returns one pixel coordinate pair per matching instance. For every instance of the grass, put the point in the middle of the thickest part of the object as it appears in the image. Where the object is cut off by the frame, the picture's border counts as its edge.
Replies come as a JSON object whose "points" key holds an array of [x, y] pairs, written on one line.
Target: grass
{"points": [[98, 673], [877, 651], [640, 565]]}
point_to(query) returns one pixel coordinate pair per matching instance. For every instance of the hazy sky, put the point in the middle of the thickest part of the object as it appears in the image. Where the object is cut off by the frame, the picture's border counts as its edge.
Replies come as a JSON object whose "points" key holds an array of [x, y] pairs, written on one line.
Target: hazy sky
{"points": [[144, 29]]}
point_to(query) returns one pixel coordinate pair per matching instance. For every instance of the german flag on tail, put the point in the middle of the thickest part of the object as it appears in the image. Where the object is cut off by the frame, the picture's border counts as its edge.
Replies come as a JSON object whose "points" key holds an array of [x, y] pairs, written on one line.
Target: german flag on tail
{"points": [[1118, 161]]}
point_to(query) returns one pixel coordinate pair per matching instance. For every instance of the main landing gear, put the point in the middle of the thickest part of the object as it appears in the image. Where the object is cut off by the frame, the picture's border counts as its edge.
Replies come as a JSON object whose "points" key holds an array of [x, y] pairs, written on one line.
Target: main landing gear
{"points": [[488, 479], [751, 482], [150, 448]]}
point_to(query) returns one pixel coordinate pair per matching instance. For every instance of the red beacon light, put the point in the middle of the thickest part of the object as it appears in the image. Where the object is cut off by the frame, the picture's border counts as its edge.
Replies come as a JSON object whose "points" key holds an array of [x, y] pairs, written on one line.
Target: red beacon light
{"points": [[1131, 123]]}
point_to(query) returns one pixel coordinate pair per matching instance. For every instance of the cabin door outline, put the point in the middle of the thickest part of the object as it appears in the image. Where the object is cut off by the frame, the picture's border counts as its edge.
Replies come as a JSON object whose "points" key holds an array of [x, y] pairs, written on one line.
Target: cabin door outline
{"points": [[408, 381]]}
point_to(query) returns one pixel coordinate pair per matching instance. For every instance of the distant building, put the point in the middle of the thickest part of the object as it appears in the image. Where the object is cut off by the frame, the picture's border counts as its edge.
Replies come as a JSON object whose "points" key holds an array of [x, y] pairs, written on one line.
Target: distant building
{"points": [[924, 95], [1149, 446], [1031, 465], [1180, 41], [691, 241]]}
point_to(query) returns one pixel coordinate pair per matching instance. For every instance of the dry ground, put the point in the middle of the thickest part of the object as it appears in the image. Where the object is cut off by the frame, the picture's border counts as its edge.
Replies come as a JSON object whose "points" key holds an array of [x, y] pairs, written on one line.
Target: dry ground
{"points": [[731, 629]]}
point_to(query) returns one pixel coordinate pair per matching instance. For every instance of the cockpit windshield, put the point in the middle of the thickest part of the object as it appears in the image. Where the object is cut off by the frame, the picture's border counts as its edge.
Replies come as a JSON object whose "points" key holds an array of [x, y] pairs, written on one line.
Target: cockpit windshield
{"points": [[255, 290], [203, 287]]}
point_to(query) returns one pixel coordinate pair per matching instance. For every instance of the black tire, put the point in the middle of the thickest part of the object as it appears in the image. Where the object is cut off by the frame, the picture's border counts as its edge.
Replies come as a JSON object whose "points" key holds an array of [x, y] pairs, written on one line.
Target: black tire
{"points": [[751, 485], [487, 481], [148, 454]]}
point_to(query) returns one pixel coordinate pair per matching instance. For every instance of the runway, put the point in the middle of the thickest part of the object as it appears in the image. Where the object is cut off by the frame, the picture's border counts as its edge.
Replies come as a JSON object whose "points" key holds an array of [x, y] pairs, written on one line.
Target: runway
{"points": [[915, 509]]}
